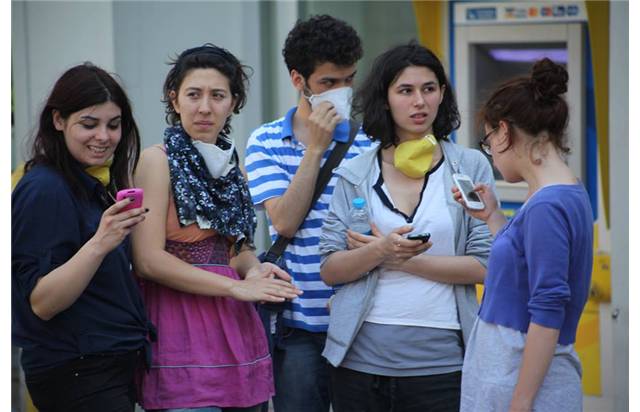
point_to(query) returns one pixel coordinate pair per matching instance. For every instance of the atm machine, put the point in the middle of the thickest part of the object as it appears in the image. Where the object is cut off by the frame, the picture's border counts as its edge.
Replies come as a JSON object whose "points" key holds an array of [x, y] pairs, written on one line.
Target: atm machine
{"points": [[498, 41]]}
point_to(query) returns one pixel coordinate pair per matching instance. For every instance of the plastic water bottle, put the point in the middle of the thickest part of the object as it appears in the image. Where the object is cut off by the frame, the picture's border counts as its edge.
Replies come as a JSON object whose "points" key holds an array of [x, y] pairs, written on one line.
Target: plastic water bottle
{"points": [[358, 216]]}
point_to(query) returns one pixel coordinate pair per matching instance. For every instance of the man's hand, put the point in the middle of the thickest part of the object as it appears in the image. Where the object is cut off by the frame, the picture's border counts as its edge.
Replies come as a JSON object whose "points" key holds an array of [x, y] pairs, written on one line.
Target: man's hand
{"points": [[321, 123]]}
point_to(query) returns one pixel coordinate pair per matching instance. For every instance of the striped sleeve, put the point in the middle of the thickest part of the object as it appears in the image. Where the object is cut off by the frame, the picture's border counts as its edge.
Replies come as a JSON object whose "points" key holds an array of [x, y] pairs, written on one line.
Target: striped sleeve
{"points": [[267, 175]]}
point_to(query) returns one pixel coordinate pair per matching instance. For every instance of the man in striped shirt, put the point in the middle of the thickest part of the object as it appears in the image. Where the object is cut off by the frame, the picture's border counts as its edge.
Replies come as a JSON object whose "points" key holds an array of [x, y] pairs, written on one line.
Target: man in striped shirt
{"points": [[283, 160]]}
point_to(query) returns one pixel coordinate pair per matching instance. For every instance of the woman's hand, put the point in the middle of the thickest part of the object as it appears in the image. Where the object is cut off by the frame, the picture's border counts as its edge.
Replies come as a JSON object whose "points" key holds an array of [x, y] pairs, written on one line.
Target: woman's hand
{"points": [[267, 270], [264, 289], [356, 240], [488, 198], [491, 215], [395, 248], [115, 225], [399, 249]]}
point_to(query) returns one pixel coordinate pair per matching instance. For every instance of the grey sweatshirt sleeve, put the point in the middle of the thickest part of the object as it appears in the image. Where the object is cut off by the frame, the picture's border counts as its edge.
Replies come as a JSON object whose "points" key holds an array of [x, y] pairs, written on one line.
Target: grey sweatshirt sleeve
{"points": [[334, 228], [479, 237]]}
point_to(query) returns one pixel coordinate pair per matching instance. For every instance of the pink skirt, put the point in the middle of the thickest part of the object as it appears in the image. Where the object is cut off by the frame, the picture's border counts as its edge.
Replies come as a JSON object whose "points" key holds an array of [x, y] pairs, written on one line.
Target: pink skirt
{"points": [[210, 351]]}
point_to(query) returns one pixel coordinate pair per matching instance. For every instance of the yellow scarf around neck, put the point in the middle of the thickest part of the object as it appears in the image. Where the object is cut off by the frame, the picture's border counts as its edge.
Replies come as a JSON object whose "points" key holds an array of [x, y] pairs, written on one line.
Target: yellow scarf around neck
{"points": [[101, 172], [413, 157]]}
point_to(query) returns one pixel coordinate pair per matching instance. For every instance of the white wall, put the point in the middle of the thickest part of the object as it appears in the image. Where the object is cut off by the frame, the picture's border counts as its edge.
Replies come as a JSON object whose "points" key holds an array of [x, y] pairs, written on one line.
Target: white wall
{"points": [[286, 14], [148, 34], [619, 178], [135, 39], [47, 39]]}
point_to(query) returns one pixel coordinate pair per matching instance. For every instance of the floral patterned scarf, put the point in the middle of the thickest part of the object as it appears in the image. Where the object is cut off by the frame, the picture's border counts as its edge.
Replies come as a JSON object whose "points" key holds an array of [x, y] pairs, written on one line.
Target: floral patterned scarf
{"points": [[223, 204]]}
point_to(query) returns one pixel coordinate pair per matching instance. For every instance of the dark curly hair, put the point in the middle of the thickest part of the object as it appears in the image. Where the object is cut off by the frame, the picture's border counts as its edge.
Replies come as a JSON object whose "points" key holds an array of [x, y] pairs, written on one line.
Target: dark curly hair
{"points": [[80, 87], [318, 40], [533, 104], [371, 100], [207, 56]]}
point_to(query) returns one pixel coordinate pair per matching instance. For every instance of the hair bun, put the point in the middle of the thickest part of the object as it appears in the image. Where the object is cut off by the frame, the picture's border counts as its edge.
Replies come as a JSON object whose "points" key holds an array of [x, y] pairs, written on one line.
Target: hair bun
{"points": [[548, 80]]}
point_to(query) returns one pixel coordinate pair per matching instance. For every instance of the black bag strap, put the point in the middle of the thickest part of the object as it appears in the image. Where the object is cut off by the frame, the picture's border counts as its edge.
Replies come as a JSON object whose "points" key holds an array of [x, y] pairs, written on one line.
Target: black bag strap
{"points": [[339, 151]]}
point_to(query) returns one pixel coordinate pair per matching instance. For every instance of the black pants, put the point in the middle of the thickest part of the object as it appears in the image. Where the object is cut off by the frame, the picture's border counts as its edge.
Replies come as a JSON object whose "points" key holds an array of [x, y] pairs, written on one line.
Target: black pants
{"points": [[94, 383], [354, 391]]}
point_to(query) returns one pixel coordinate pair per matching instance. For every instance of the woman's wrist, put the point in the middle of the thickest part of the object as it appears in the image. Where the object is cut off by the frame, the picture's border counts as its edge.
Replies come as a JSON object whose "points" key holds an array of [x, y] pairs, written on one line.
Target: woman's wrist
{"points": [[95, 248], [244, 262], [520, 405], [230, 286], [496, 217], [379, 249]]}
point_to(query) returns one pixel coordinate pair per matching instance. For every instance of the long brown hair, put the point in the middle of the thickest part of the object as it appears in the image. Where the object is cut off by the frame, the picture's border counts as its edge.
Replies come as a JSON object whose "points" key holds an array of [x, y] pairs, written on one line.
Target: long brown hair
{"points": [[372, 97], [84, 86]]}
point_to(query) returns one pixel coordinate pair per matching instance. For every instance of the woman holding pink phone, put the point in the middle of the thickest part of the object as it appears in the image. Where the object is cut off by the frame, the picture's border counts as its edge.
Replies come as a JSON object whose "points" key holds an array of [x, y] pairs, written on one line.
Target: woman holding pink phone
{"points": [[76, 310], [194, 252], [135, 196]]}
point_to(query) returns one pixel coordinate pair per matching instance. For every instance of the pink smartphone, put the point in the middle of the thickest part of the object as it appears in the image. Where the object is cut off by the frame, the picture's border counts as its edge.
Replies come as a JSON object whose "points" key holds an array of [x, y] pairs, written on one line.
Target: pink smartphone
{"points": [[134, 193]]}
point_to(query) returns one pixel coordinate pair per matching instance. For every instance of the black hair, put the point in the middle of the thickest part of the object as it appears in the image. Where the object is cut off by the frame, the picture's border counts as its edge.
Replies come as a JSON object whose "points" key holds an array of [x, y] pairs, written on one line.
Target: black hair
{"points": [[371, 99], [207, 56], [318, 40], [533, 104], [80, 87]]}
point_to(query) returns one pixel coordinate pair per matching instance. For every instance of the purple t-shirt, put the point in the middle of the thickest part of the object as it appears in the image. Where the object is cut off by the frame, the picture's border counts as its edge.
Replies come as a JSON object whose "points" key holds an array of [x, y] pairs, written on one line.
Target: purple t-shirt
{"points": [[540, 264]]}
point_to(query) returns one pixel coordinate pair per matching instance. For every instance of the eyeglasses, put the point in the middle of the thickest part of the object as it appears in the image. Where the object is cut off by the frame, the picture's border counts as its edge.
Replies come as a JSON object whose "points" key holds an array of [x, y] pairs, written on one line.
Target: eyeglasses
{"points": [[486, 147]]}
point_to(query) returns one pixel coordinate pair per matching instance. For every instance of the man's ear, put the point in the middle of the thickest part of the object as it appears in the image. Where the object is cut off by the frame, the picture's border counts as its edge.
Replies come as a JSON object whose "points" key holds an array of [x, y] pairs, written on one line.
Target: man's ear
{"points": [[58, 121], [174, 101], [297, 80]]}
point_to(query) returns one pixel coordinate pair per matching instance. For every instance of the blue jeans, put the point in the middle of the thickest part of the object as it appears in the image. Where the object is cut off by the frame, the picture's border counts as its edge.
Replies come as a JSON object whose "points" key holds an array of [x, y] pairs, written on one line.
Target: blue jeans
{"points": [[301, 373], [355, 391]]}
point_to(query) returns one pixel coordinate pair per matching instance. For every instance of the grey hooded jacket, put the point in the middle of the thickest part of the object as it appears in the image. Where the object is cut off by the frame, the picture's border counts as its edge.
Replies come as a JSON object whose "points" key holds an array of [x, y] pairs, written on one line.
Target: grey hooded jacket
{"points": [[352, 302]]}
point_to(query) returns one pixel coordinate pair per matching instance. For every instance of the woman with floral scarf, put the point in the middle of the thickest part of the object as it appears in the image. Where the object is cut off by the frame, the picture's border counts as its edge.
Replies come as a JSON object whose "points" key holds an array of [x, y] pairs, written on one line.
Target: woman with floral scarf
{"points": [[194, 253]]}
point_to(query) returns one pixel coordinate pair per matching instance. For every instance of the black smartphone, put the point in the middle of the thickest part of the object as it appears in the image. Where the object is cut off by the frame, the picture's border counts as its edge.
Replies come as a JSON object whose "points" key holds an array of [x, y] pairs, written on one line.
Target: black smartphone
{"points": [[420, 236]]}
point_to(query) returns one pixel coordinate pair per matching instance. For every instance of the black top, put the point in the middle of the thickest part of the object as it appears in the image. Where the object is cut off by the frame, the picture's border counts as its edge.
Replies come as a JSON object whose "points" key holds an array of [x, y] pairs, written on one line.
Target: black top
{"points": [[49, 224]]}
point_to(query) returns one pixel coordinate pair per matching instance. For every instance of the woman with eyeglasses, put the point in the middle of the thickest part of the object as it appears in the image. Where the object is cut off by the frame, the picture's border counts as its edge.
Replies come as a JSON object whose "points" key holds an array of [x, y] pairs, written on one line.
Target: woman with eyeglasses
{"points": [[195, 251], [401, 318], [521, 355]]}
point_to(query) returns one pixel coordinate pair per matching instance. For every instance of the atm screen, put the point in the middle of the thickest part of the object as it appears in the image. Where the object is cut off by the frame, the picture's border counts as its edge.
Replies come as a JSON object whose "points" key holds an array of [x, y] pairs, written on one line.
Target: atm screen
{"points": [[495, 63]]}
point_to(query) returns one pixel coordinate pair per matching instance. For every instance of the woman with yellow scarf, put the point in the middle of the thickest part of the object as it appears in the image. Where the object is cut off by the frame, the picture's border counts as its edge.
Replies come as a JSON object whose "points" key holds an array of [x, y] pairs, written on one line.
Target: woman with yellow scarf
{"points": [[401, 318]]}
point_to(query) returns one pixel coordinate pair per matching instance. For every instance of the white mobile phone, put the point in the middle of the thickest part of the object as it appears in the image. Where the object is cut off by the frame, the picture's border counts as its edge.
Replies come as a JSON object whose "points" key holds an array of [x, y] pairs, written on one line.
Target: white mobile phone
{"points": [[465, 185]]}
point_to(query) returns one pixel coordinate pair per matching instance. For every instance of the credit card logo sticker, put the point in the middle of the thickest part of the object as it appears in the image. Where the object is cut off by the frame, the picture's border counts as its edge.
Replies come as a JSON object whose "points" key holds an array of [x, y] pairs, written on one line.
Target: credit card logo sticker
{"points": [[484, 13]]}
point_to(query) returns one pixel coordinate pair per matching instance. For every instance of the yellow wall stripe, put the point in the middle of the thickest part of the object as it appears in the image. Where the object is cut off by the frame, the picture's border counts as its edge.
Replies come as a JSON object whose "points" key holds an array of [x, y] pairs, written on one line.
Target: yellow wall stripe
{"points": [[429, 16], [598, 21]]}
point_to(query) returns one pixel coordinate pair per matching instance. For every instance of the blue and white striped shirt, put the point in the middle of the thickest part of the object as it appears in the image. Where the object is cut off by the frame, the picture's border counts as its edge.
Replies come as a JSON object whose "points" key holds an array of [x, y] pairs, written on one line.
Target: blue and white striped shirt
{"points": [[271, 160]]}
